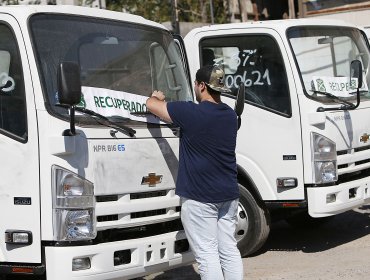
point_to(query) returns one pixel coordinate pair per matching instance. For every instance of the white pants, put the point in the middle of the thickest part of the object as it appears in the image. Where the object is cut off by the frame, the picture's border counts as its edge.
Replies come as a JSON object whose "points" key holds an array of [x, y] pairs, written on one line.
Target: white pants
{"points": [[210, 229]]}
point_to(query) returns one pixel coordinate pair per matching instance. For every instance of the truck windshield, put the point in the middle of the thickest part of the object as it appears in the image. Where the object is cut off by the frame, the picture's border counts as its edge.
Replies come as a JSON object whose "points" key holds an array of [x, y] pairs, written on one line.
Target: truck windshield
{"points": [[121, 64], [324, 55]]}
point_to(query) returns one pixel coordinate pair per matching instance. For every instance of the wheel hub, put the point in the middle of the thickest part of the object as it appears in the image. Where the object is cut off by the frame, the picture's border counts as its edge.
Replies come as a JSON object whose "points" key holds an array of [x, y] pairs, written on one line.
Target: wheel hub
{"points": [[242, 223]]}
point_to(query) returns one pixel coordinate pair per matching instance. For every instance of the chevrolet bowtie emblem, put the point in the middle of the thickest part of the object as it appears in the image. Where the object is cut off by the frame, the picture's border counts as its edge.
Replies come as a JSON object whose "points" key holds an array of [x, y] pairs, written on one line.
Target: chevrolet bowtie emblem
{"points": [[152, 179], [364, 138]]}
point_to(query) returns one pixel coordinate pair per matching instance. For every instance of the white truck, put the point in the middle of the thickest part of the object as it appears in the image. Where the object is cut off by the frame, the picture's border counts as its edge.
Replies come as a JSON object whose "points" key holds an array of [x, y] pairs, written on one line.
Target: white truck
{"points": [[303, 148], [87, 180]]}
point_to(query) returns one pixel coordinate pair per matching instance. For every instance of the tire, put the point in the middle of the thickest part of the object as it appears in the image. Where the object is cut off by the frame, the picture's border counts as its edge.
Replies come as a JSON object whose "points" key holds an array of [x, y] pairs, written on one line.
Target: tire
{"points": [[304, 220], [253, 225]]}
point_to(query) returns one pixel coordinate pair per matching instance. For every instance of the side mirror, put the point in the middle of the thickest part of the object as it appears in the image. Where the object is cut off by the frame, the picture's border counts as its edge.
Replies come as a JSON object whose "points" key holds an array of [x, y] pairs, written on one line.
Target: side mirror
{"points": [[69, 83], [356, 72], [69, 90], [239, 103]]}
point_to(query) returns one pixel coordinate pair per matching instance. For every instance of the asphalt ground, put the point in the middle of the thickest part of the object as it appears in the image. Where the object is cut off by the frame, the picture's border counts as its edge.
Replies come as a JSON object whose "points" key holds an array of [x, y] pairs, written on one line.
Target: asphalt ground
{"points": [[337, 250]]}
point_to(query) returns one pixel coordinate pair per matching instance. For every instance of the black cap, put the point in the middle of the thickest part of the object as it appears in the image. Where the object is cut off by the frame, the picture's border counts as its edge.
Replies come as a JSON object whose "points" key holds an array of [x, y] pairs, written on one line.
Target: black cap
{"points": [[213, 77]]}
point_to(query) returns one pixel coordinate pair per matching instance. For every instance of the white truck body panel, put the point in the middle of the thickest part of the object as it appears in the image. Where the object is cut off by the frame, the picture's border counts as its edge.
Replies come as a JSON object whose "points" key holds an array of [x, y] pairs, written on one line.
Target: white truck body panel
{"points": [[102, 264], [20, 174]]}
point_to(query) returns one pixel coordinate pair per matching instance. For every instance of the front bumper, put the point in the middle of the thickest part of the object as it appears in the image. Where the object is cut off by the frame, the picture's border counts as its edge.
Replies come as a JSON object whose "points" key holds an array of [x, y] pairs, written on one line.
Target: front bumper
{"points": [[148, 255], [348, 196]]}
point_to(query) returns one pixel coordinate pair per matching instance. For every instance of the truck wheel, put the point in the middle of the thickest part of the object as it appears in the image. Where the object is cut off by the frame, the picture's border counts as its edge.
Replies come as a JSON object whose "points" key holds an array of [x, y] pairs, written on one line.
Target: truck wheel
{"points": [[253, 225], [304, 220]]}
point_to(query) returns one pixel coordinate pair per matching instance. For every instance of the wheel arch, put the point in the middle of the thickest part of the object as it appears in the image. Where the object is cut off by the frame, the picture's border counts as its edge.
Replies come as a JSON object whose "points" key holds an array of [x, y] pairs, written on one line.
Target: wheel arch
{"points": [[246, 181]]}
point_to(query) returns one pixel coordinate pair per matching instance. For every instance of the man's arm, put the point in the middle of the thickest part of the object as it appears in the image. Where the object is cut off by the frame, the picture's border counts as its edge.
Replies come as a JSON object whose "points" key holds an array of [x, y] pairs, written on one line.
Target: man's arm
{"points": [[157, 106]]}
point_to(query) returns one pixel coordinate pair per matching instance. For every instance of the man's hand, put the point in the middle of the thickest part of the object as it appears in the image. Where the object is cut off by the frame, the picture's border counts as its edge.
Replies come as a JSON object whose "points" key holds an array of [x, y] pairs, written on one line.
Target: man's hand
{"points": [[157, 106], [159, 94]]}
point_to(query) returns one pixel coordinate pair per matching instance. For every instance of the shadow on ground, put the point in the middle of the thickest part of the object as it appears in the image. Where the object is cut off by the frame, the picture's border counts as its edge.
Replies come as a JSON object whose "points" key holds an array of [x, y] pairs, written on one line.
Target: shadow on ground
{"points": [[342, 229], [183, 273]]}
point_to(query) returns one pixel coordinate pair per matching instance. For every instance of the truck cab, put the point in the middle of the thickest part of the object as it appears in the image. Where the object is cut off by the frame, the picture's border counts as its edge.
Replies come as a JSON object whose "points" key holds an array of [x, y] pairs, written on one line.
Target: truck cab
{"points": [[303, 145], [88, 176]]}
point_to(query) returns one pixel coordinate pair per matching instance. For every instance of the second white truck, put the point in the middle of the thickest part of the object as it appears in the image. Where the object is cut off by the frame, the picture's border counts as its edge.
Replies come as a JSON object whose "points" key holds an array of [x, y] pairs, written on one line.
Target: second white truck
{"points": [[303, 148]]}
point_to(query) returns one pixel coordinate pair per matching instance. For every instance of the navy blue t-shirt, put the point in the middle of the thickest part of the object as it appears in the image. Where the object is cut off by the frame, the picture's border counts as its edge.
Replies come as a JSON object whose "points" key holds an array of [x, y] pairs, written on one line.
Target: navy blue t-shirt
{"points": [[207, 167]]}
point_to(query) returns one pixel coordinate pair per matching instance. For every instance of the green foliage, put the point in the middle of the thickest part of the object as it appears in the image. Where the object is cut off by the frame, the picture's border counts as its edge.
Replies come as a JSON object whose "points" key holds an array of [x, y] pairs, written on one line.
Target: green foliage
{"points": [[220, 11], [161, 10], [155, 10]]}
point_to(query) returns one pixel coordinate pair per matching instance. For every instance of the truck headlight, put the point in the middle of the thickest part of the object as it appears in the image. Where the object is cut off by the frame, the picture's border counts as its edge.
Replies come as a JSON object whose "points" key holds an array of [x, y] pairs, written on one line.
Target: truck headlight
{"points": [[324, 159], [73, 206]]}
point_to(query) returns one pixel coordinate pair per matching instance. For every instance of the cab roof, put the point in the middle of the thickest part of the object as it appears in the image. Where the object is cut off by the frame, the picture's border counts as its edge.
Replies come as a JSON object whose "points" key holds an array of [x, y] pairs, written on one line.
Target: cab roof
{"points": [[280, 25], [25, 11]]}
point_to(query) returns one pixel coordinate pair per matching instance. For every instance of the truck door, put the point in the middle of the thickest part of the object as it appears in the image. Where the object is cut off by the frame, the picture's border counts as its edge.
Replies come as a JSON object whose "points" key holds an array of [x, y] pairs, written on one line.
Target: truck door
{"points": [[19, 169], [269, 141]]}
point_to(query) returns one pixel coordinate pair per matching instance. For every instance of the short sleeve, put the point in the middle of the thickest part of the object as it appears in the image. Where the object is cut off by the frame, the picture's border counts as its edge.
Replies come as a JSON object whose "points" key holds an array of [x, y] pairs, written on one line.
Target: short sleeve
{"points": [[181, 112]]}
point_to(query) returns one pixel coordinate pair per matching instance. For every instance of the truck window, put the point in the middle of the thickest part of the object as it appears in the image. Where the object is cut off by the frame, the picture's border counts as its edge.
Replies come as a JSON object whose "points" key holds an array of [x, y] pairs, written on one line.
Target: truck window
{"points": [[121, 63], [13, 116], [324, 55], [255, 61], [162, 67]]}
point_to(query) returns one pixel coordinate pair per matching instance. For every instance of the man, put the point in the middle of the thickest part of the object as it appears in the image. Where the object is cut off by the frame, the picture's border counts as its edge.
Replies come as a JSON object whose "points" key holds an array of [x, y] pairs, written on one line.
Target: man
{"points": [[207, 179]]}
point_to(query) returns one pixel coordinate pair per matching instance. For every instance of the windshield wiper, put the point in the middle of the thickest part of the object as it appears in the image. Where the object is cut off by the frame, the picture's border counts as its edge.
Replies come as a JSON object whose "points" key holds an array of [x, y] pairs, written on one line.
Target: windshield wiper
{"points": [[141, 113], [103, 120], [346, 105], [118, 119]]}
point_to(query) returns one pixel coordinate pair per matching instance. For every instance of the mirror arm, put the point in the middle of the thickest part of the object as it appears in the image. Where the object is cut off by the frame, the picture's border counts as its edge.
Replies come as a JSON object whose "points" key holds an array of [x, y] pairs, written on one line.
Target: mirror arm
{"points": [[344, 107], [358, 99], [322, 109], [72, 130]]}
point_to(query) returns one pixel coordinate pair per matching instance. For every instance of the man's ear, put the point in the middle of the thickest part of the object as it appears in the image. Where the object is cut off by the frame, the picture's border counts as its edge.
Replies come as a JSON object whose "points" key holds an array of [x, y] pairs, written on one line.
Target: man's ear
{"points": [[202, 86]]}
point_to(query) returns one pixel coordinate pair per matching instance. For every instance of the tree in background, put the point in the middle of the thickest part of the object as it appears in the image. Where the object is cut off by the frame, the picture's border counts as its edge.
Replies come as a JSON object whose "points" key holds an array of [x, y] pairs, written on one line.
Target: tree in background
{"points": [[156, 10], [160, 10]]}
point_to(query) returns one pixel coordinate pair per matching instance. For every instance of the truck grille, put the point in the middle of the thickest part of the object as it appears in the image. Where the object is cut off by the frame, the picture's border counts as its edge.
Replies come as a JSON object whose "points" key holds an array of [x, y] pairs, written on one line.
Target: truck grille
{"points": [[107, 198], [136, 209], [353, 164], [118, 234], [148, 194]]}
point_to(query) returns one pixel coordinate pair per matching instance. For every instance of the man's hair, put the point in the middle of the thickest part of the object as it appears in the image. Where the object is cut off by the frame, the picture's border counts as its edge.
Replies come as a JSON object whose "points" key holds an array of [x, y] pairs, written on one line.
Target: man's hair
{"points": [[204, 74]]}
